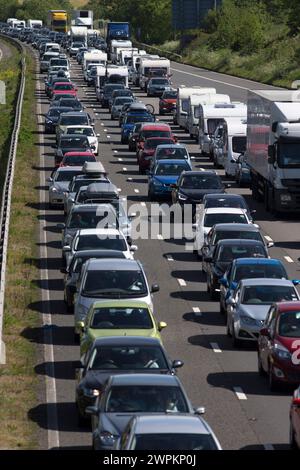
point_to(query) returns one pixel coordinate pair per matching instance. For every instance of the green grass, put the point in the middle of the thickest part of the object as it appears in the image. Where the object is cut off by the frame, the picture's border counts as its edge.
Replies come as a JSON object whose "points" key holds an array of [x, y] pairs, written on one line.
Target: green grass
{"points": [[19, 384], [277, 63]]}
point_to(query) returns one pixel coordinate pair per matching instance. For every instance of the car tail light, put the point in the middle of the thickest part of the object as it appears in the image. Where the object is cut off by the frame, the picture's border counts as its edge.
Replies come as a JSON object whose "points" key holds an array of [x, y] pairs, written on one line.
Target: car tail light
{"points": [[296, 401]]}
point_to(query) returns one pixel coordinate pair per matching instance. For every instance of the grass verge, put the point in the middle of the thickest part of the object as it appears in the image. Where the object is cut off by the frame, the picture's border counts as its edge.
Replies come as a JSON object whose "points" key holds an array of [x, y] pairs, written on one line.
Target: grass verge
{"points": [[18, 382]]}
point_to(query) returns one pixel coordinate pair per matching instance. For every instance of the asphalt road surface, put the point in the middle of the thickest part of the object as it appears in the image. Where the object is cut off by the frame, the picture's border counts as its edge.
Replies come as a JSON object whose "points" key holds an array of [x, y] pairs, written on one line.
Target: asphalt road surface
{"points": [[239, 406]]}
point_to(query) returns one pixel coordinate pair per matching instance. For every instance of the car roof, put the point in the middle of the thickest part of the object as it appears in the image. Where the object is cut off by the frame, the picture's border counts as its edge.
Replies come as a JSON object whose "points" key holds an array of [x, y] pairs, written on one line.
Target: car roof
{"points": [[265, 281], [156, 126], [62, 169], [78, 154], [123, 303], [77, 113], [98, 254], [172, 146], [170, 424], [84, 208], [234, 227], [80, 126], [127, 340], [145, 379], [200, 172], [112, 264], [252, 261], [288, 306], [224, 210], [105, 186], [237, 241], [223, 196]]}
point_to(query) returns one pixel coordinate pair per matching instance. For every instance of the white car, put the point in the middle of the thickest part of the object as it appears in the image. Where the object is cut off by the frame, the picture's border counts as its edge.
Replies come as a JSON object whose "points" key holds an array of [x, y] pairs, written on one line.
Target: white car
{"points": [[217, 215], [89, 132], [98, 239]]}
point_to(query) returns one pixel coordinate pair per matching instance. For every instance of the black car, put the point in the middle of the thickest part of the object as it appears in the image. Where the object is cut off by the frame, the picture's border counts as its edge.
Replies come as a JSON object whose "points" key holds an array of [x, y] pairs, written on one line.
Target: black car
{"points": [[227, 200], [72, 273], [224, 253], [192, 186], [52, 118], [107, 92], [70, 143], [118, 355], [72, 103]]}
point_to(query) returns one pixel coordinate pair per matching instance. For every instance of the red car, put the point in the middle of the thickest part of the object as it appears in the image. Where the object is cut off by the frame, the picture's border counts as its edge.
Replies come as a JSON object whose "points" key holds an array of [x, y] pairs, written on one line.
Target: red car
{"points": [[145, 154], [77, 158], [61, 88], [153, 130], [279, 345], [167, 103], [295, 420]]}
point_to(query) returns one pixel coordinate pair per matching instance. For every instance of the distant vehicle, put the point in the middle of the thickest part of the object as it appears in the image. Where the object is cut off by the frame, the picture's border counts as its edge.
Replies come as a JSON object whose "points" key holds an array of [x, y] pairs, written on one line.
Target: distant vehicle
{"points": [[145, 154], [167, 102], [57, 20], [77, 158], [164, 175], [59, 181], [157, 86]]}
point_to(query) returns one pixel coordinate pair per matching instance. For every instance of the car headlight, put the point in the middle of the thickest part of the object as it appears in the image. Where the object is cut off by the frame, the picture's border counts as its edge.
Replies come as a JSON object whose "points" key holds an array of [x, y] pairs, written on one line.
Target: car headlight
{"points": [[107, 438], [91, 392], [281, 352], [248, 320], [182, 197]]}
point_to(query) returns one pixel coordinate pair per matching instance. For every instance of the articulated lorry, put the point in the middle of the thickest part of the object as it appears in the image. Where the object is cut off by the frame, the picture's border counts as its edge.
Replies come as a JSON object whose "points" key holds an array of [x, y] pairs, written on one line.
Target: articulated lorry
{"points": [[273, 148]]}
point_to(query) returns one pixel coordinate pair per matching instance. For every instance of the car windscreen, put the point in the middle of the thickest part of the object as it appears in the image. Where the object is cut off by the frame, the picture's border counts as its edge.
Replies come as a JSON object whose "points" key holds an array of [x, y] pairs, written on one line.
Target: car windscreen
{"points": [[121, 318], [237, 203], [153, 143], [171, 169], [70, 103], [131, 119], [65, 175], [121, 100], [128, 358], [96, 242], [74, 143], [239, 144], [236, 234], [115, 284], [201, 182], [89, 219], [146, 399], [159, 81], [155, 133], [171, 153], [170, 95], [227, 253], [173, 441], [213, 219], [260, 270], [63, 86], [289, 324], [267, 295], [74, 120]]}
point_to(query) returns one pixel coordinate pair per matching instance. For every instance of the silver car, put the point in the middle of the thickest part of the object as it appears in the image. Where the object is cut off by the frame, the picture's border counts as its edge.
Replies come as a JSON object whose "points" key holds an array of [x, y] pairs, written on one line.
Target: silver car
{"points": [[110, 279], [59, 183], [157, 86], [168, 432], [118, 104], [249, 304]]}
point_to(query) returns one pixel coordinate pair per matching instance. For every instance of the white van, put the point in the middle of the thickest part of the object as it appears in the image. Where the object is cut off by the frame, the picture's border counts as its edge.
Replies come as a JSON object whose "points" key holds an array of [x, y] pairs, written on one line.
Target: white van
{"points": [[210, 116], [148, 65], [232, 142], [194, 101]]}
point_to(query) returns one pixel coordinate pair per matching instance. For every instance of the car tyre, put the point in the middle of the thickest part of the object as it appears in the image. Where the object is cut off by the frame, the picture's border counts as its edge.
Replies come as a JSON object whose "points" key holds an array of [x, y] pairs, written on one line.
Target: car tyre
{"points": [[259, 366], [273, 383]]}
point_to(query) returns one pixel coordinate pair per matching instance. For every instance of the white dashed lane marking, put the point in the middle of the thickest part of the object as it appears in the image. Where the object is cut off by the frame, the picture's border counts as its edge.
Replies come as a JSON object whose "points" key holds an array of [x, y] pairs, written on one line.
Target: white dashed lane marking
{"points": [[239, 393], [216, 348], [288, 259], [181, 282]]}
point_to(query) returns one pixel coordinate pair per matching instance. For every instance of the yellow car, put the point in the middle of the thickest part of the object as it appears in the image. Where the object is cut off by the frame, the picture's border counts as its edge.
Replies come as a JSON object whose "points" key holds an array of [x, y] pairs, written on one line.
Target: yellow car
{"points": [[118, 318]]}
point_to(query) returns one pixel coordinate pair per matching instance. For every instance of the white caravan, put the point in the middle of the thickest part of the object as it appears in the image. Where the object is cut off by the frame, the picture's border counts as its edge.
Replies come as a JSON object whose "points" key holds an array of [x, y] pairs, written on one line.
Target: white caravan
{"points": [[192, 125], [182, 105]]}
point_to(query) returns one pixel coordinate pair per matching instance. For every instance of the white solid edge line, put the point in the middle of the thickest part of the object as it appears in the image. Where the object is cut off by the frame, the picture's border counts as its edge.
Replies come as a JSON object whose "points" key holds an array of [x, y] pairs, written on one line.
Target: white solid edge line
{"points": [[216, 348], [197, 311], [288, 259], [239, 393], [51, 397], [181, 282]]}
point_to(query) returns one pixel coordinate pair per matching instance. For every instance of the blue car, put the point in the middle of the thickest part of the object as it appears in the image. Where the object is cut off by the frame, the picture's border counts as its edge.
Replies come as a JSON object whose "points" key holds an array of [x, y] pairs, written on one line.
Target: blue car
{"points": [[129, 122], [165, 174], [249, 268]]}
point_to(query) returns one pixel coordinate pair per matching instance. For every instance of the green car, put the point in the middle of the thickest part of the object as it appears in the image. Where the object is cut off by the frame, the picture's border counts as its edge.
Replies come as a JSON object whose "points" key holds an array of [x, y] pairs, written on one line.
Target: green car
{"points": [[118, 318]]}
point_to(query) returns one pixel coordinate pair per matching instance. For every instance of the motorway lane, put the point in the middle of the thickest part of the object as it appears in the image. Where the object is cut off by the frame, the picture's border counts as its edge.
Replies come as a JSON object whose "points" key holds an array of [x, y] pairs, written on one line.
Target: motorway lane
{"points": [[208, 376]]}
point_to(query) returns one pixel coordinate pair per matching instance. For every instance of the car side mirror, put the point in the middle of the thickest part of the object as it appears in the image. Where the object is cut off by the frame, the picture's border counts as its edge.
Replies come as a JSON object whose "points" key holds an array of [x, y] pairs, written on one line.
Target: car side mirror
{"points": [[199, 411], [161, 325], [80, 325], [231, 302], [296, 282], [92, 410], [133, 248], [154, 288], [270, 244], [66, 249], [61, 226], [132, 216], [177, 363]]}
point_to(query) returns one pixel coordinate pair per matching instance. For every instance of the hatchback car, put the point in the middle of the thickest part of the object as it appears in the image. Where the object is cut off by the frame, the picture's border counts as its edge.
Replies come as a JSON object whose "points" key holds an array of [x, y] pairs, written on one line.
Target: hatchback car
{"points": [[145, 154], [87, 131], [157, 86], [59, 181], [167, 102], [70, 143], [52, 118], [112, 355], [192, 186], [222, 256], [249, 305], [118, 104], [164, 175], [279, 345], [77, 158], [227, 200]]}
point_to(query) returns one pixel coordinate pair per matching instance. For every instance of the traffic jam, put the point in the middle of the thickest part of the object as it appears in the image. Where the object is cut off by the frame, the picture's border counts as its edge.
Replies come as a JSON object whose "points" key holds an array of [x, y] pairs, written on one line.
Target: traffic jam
{"points": [[128, 394]]}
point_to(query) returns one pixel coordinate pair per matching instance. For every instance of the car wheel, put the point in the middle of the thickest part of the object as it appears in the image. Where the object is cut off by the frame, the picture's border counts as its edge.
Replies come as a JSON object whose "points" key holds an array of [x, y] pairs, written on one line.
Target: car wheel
{"points": [[259, 366], [236, 343], [273, 383], [293, 442]]}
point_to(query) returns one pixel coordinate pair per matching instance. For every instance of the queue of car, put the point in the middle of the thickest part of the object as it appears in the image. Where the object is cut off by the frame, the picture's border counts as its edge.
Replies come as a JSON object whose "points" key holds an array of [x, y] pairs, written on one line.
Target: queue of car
{"points": [[125, 370]]}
